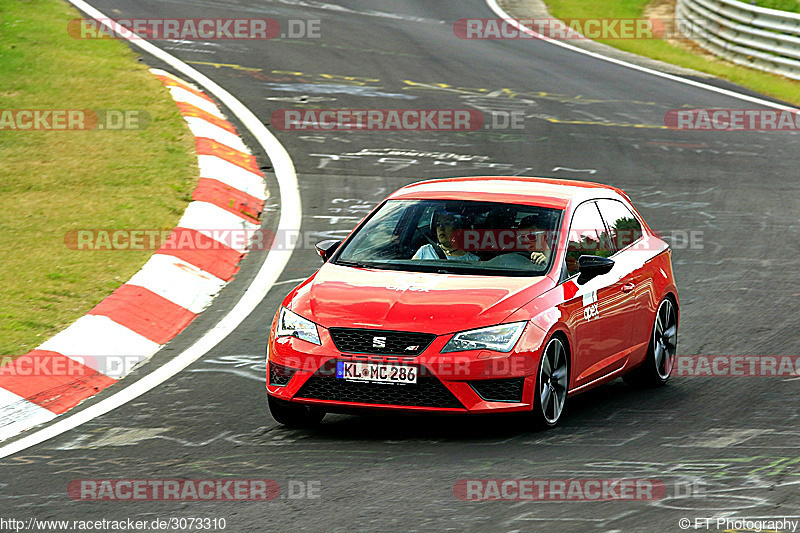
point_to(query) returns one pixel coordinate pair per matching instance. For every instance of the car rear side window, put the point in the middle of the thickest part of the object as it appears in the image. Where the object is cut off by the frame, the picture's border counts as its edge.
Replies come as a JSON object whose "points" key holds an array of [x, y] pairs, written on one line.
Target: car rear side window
{"points": [[624, 227], [587, 236]]}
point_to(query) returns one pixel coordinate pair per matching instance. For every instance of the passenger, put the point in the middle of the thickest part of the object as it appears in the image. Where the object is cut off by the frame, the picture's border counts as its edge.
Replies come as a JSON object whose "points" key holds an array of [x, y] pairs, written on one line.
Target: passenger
{"points": [[445, 224]]}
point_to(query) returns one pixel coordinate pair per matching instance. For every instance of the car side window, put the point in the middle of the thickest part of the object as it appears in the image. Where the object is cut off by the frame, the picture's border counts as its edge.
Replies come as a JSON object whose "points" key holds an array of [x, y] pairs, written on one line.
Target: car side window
{"points": [[587, 236], [624, 227]]}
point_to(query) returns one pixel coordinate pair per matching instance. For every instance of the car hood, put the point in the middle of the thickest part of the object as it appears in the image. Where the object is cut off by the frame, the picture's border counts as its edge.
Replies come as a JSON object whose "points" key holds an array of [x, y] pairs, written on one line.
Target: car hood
{"points": [[340, 296]]}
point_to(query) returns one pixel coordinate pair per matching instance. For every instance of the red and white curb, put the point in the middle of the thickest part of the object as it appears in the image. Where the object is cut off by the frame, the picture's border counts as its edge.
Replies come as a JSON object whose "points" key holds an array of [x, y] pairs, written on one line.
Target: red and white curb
{"points": [[160, 300]]}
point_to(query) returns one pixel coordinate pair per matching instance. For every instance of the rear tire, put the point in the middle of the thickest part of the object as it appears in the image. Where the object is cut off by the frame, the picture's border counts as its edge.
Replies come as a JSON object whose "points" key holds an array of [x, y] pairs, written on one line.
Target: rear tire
{"points": [[552, 380], [294, 415], [660, 358]]}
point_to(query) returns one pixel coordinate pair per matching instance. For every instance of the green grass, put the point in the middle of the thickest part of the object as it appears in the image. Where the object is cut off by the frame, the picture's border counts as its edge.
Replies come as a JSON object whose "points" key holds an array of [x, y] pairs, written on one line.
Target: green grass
{"points": [[783, 5], [52, 182], [763, 82]]}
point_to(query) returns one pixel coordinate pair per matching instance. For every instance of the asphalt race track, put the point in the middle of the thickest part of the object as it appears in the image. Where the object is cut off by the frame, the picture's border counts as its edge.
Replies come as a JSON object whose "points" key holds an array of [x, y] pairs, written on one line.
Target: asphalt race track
{"points": [[723, 446]]}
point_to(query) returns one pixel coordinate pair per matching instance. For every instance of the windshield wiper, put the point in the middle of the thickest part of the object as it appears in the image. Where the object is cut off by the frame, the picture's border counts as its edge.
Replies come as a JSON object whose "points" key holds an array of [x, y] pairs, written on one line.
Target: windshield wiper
{"points": [[355, 264], [377, 266]]}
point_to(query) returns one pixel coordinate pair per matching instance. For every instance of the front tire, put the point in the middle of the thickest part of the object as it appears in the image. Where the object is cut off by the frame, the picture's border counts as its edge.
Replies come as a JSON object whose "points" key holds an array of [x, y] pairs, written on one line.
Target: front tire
{"points": [[552, 382], [661, 353], [294, 415]]}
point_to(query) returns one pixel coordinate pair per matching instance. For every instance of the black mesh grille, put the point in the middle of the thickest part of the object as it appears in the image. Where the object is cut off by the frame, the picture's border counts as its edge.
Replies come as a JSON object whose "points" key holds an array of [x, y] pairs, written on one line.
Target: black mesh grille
{"points": [[427, 392], [499, 390], [280, 375], [380, 342]]}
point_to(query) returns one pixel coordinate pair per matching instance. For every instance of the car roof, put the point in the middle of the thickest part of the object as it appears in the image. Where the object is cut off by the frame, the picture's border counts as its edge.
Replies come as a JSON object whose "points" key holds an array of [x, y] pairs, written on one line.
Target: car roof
{"points": [[545, 192]]}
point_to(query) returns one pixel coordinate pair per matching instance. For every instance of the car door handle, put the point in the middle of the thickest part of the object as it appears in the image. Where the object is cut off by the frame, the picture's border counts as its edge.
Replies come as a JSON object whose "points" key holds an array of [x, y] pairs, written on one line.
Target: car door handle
{"points": [[628, 287]]}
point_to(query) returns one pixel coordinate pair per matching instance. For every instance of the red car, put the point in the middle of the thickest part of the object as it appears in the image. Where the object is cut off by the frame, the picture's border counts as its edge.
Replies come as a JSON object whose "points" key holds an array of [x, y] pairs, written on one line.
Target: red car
{"points": [[477, 295]]}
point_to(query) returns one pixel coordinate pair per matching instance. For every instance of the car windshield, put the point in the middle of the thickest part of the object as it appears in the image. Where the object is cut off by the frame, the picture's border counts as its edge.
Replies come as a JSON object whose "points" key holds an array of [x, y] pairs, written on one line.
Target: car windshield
{"points": [[455, 236]]}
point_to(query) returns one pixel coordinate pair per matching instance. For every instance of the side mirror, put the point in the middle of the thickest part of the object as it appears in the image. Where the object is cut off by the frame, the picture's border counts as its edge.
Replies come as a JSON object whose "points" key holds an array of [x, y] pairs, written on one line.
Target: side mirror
{"points": [[591, 266], [325, 249]]}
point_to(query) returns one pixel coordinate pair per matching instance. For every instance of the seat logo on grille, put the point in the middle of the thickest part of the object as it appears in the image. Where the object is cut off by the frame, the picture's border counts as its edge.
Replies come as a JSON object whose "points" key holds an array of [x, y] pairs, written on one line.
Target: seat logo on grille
{"points": [[379, 342]]}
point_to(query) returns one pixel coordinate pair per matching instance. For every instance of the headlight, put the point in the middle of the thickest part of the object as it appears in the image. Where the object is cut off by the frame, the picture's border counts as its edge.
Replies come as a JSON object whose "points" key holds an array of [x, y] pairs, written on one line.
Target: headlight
{"points": [[500, 338], [293, 325]]}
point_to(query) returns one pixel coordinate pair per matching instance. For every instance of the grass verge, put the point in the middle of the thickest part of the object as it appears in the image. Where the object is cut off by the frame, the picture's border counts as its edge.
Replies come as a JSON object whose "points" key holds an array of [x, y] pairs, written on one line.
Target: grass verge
{"points": [[52, 182], [783, 5], [684, 55]]}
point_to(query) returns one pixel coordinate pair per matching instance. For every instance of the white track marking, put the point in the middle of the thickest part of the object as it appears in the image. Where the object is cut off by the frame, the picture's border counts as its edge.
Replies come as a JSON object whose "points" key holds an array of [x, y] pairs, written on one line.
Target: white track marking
{"points": [[218, 169], [209, 219], [733, 94], [113, 437], [295, 280], [166, 276], [203, 128], [205, 215], [99, 336], [16, 407], [276, 261], [182, 95], [566, 169]]}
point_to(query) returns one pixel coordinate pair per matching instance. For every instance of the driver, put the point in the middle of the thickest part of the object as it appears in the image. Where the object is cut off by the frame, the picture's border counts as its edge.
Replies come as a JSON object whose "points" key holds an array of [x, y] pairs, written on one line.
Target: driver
{"points": [[535, 241], [445, 224]]}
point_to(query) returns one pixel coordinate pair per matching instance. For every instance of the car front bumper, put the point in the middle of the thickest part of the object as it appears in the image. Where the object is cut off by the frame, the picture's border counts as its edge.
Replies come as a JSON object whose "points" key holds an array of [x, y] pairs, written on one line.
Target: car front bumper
{"points": [[477, 381]]}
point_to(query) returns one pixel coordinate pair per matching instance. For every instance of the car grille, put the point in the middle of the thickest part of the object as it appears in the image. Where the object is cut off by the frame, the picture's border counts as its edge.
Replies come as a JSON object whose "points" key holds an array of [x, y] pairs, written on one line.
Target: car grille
{"points": [[280, 375], [374, 341], [427, 392], [499, 390]]}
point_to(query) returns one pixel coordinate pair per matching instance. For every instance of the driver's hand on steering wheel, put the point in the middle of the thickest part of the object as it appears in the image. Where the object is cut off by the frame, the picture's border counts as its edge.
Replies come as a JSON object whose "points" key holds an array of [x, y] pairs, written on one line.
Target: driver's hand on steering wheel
{"points": [[538, 258]]}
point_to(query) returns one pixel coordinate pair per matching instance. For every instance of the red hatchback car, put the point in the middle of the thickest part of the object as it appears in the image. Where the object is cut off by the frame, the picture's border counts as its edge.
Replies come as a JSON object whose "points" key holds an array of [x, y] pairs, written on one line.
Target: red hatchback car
{"points": [[477, 295]]}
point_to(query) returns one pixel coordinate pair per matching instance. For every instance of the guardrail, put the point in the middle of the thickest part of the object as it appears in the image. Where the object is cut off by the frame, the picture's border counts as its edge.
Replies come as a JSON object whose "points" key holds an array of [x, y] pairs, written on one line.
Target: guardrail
{"points": [[757, 37]]}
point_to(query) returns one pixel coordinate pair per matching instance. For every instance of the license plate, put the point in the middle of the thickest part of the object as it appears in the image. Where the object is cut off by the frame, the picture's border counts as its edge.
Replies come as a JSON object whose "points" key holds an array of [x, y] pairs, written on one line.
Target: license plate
{"points": [[376, 372]]}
